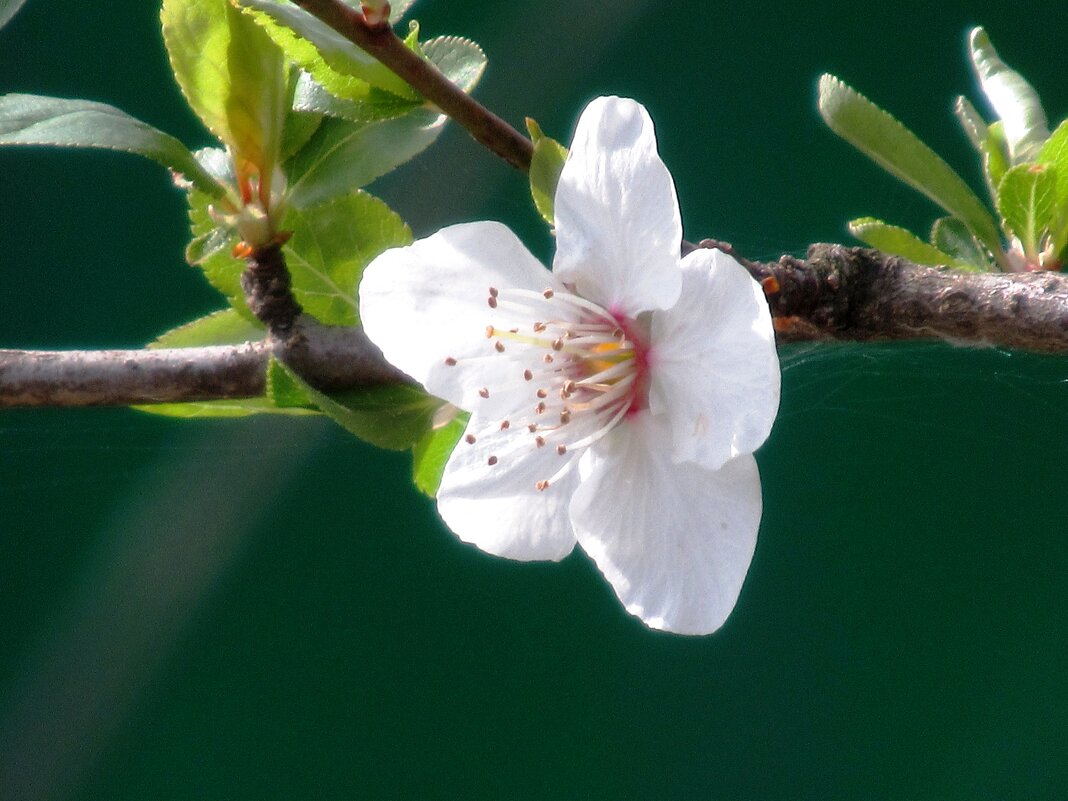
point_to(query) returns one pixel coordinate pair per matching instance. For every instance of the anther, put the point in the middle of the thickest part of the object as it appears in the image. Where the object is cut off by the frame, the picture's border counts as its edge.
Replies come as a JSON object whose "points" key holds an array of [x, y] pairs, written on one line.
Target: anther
{"points": [[470, 439], [567, 389], [492, 301], [504, 424], [513, 330], [532, 427], [484, 392], [542, 393], [561, 449], [539, 327], [548, 358], [565, 416], [540, 408], [450, 361], [493, 292], [498, 346], [558, 344], [528, 375], [490, 331], [491, 461], [541, 486], [539, 441], [548, 293]]}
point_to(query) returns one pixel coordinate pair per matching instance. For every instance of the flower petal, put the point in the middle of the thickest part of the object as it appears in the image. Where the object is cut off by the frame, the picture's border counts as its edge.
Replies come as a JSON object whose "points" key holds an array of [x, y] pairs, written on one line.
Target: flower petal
{"points": [[674, 540], [427, 302], [715, 370], [618, 227], [496, 506]]}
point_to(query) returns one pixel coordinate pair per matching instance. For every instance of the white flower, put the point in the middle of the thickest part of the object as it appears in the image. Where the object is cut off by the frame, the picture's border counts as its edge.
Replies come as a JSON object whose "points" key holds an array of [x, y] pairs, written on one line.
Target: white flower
{"points": [[616, 401]]}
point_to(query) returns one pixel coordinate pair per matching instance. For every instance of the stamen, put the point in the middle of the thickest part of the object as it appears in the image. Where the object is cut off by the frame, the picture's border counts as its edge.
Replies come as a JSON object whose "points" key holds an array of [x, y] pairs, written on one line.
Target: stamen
{"points": [[539, 327], [470, 439], [548, 358], [542, 393], [528, 375], [504, 424], [540, 408], [548, 293], [558, 344], [565, 416], [450, 361], [561, 449], [491, 461], [484, 392], [492, 301], [539, 441], [532, 427], [499, 346], [490, 331], [541, 486], [493, 292]]}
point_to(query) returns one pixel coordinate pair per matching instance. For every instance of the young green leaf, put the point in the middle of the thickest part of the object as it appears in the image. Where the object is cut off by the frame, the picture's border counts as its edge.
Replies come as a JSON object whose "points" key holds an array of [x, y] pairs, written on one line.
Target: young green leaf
{"points": [[995, 157], [232, 75], [220, 328], [898, 242], [335, 62], [461, 60], [953, 238], [1014, 100], [342, 156], [432, 451], [211, 250], [393, 417], [36, 120], [973, 124], [545, 165], [331, 244], [1055, 153], [1027, 202], [897, 150], [311, 96]]}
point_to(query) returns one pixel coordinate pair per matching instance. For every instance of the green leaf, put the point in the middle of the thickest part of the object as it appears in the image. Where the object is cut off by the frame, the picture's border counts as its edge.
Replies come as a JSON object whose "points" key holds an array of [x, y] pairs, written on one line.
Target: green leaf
{"points": [[461, 60], [211, 250], [897, 150], [432, 452], [231, 74], [393, 417], [332, 242], [952, 237], [36, 120], [397, 10], [8, 9], [546, 163], [343, 156], [1055, 153], [335, 62], [1027, 202], [221, 328], [972, 123], [1014, 100], [898, 242], [311, 96], [995, 158]]}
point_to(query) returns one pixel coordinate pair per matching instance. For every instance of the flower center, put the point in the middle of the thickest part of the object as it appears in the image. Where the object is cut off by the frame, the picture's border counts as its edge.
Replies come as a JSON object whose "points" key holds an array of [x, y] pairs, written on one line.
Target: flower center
{"points": [[579, 370]]}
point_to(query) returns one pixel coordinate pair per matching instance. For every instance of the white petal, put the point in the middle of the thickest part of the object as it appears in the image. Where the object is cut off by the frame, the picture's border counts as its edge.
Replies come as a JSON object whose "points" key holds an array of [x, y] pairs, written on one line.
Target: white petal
{"points": [[426, 302], [674, 540], [497, 507], [714, 368], [618, 227]]}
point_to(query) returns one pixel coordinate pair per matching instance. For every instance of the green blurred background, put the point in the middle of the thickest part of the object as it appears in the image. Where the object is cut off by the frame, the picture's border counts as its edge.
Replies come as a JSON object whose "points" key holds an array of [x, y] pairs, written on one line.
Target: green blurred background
{"points": [[266, 609]]}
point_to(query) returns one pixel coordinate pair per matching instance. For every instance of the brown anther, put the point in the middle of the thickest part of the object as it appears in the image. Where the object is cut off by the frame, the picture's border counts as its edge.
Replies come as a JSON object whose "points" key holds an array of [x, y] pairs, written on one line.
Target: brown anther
{"points": [[491, 461], [504, 424], [619, 333], [539, 441], [542, 393], [561, 449], [490, 331], [558, 344], [548, 358], [450, 361], [528, 375], [568, 388], [548, 293], [541, 486], [493, 292], [539, 327], [492, 301], [484, 392], [498, 346], [470, 439], [513, 330], [532, 427], [565, 416], [540, 408]]}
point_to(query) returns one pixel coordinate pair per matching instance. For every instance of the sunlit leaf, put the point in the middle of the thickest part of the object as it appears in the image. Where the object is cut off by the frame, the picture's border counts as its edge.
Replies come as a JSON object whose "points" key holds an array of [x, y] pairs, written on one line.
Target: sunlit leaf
{"points": [[972, 123], [211, 250], [342, 155], [36, 120], [897, 150], [546, 163], [231, 74], [1014, 100], [898, 242], [1055, 153], [461, 60], [310, 96], [331, 244], [432, 452], [1027, 201]]}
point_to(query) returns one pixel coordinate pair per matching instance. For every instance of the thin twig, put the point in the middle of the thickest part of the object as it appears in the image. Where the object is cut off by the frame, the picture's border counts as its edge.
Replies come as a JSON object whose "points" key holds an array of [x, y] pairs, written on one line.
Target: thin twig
{"points": [[837, 293], [382, 43]]}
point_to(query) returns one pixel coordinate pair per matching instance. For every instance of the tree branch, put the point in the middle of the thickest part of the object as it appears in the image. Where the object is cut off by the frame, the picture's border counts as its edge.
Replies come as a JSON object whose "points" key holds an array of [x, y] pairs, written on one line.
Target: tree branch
{"points": [[835, 294], [382, 43]]}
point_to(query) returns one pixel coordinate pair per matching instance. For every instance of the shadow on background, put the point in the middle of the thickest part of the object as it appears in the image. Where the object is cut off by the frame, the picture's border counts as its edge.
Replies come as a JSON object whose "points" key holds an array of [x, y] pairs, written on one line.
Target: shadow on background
{"points": [[267, 608]]}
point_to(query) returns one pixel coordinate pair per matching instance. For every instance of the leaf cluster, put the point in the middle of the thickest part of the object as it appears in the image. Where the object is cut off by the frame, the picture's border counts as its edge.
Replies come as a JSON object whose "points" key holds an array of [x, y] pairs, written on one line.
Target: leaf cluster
{"points": [[1025, 225], [305, 120]]}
